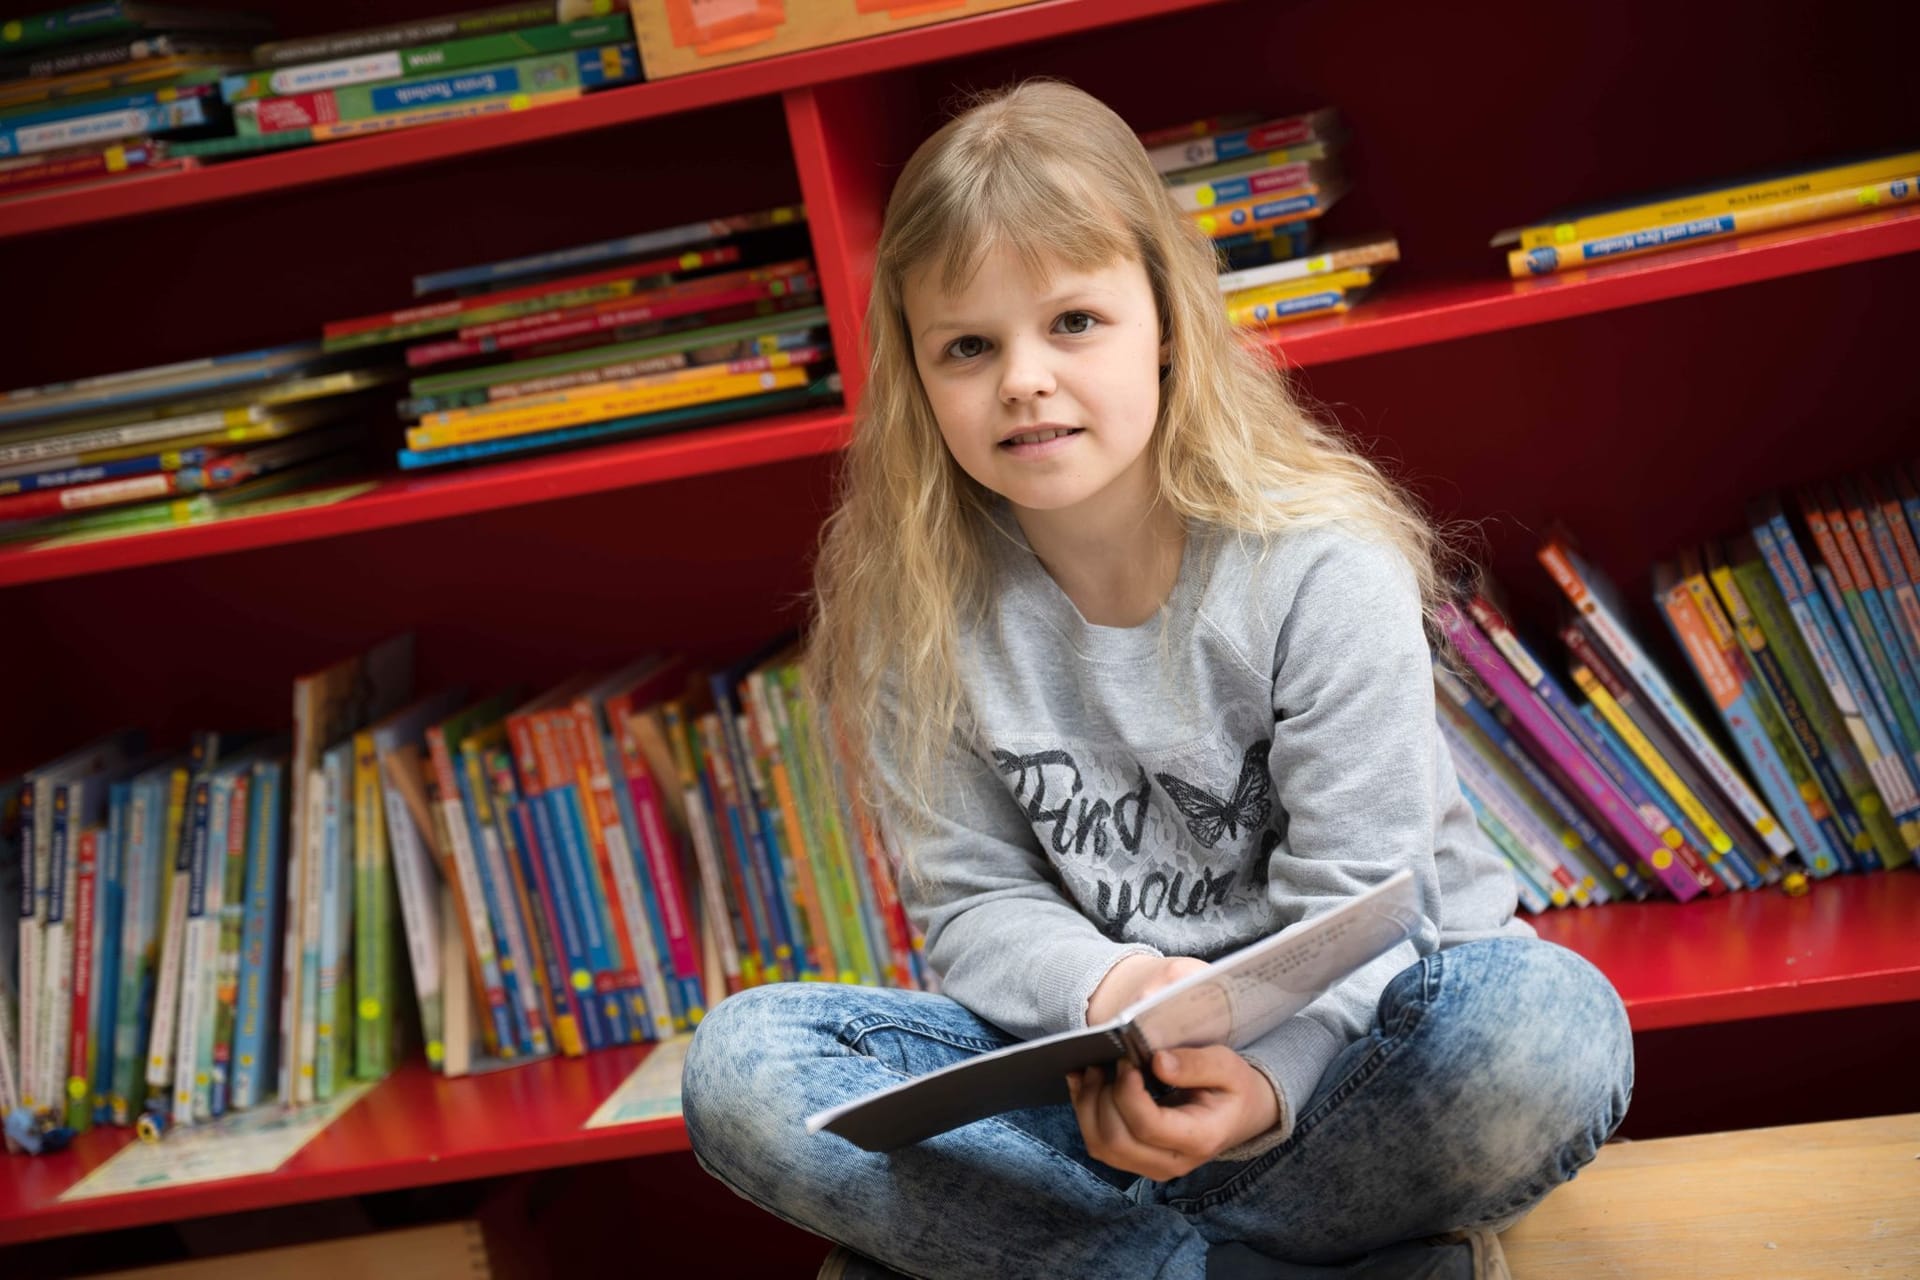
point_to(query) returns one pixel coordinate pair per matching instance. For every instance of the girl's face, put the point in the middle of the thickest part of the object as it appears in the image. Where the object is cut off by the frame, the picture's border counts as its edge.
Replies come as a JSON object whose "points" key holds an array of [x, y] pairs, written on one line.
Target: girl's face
{"points": [[1046, 392]]}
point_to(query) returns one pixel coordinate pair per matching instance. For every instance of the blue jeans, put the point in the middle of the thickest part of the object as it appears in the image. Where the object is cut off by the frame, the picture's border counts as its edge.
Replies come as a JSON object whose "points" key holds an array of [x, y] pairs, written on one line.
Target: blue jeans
{"points": [[1494, 1070]]}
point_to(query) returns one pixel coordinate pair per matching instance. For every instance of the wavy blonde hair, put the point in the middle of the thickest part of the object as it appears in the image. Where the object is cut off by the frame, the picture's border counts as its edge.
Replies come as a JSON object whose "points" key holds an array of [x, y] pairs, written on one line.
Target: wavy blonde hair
{"points": [[1049, 173]]}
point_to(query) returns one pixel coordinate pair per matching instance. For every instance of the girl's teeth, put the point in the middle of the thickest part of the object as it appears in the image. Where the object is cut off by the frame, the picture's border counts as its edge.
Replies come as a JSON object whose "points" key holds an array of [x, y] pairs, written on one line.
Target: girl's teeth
{"points": [[1038, 437]]}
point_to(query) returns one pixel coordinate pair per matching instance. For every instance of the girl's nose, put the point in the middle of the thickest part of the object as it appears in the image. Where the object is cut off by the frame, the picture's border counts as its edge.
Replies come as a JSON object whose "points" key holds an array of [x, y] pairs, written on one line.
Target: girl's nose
{"points": [[1025, 373]]}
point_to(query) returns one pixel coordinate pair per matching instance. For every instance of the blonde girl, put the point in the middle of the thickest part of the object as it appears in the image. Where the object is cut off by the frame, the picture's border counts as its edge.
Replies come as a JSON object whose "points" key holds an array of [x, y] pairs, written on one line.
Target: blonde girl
{"points": [[1133, 652]]}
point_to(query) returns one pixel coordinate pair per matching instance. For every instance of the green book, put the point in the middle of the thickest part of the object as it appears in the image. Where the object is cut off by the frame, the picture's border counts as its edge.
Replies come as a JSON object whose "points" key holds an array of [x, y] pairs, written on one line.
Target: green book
{"points": [[425, 59], [375, 1003], [94, 21], [600, 357], [575, 69]]}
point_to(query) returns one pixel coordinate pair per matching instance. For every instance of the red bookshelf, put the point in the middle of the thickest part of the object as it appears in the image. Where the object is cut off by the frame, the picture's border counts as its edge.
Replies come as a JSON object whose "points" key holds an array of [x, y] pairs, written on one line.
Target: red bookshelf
{"points": [[1643, 402]]}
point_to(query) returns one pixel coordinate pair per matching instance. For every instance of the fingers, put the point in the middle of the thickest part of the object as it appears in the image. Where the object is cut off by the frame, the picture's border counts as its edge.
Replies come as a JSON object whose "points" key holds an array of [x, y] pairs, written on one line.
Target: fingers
{"points": [[1124, 1127]]}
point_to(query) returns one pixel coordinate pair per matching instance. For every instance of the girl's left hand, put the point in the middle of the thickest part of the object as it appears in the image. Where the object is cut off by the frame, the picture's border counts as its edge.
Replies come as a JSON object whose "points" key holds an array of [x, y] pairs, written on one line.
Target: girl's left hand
{"points": [[1228, 1102]]}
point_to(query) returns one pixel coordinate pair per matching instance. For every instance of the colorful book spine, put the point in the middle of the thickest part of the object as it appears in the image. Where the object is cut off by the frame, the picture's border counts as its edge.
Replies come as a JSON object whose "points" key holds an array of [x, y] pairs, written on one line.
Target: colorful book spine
{"points": [[726, 919], [1314, 267], [1522, 838], [92, 120], [427, 59], [517, 976], [771, 774], [662, 852], [1587, 594], [253, 1038], [409, 829], [644, 243], [417, 31], [503, 304], [1172, 157], [612, 64], [142, 878], [463, 874], [1519, 689], [373, 918], [1718, 201], [1211, 193], [1885, 664], [336, 906], [230, 930], [103, 163], [1808, 609], [1258, 313], [1274, 209], [724, 285], [177, 859], [817, 831], [1773, 646], [543, 841], [1577, 832], [1818, 207], [1881, 553], [1707, 639], [102, 19], [194, 957], [1533, 896], [78, 1047], [852, 889], [558, 1004]]}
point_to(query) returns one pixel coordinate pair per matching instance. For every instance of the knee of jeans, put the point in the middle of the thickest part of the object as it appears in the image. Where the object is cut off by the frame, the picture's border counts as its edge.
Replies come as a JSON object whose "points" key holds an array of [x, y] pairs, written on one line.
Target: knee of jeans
{"points": [[732, 1049]]}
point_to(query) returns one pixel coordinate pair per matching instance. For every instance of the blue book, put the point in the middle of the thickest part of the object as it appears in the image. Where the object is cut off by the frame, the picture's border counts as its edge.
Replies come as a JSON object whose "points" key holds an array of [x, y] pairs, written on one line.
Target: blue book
{"points": [[676, 995], [159, 383], [94, 120], [502, 913], [576, 860], [109, 911], [255, 1035], [1621, 760], [66, 477], [535, 823], [757, 849], [820, 392], [594, 68]]}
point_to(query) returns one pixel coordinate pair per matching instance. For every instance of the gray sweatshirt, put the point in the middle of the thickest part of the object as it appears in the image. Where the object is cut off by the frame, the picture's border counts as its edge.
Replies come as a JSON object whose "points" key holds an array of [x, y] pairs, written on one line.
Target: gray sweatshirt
{"points": [[1262, 750]]}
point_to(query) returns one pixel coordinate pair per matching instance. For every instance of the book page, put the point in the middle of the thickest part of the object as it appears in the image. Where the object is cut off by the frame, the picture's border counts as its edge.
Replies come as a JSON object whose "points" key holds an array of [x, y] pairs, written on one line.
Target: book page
{"points": [[651, 1090]]}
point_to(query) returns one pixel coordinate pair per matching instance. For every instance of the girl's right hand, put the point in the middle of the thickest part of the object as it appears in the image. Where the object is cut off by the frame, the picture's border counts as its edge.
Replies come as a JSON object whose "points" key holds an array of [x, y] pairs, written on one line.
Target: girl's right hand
{"points": [[1135, 978]]}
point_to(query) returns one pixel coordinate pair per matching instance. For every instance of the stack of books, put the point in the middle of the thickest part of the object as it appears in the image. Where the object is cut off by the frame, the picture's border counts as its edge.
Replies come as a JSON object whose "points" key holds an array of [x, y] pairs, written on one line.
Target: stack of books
{"points": [[350, 83], [181, 443], [101, 92], [1609, 784], [1611, 232], [1258, 188], [494, 879], [662, 330]]}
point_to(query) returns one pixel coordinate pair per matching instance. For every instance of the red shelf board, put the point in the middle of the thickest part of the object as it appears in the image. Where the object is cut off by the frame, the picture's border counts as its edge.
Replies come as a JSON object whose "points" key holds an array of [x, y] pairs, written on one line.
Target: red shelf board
{"points": [[347, 158], [1421, 312], [1848, 942], [413, 1129], [410, 500]]}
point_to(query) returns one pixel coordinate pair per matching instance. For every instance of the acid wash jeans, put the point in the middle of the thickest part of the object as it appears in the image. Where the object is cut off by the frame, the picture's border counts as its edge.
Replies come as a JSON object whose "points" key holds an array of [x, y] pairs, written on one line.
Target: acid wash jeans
{"points": [[1493, 1071]]}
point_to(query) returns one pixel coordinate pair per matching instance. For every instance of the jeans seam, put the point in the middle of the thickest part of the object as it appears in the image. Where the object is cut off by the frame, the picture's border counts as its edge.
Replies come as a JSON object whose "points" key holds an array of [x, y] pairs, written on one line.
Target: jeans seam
{"points": [[1406, 1022], [859, 1028]]}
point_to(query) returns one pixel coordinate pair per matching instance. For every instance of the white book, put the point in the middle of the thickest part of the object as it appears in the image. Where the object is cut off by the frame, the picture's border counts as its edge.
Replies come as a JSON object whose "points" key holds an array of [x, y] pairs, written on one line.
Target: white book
{"points": [[1233, 1001], [199, 949]]}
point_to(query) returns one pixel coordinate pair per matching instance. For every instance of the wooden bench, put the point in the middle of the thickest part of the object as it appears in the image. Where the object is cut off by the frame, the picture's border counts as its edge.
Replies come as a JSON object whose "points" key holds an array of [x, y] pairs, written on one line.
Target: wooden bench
{"points": [[1800, 1202]]}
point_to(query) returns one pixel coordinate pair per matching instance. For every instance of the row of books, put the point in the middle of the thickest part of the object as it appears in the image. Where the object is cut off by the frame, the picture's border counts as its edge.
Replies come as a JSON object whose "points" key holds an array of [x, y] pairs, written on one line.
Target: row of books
{"points": [[1804, 639], [1707, 215], [1258, 188], [106, 91], [661, 330], [500, 879]]}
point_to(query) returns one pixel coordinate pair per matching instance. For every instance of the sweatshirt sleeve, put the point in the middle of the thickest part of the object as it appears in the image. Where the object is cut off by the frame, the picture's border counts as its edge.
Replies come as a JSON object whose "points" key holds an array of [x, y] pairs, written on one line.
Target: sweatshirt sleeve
{"points": [[1004, 936], [1354, 771]]}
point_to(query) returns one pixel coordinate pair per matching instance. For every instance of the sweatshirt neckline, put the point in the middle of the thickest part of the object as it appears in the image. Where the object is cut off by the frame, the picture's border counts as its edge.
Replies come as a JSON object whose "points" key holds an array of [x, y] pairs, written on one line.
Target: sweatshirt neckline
{"points": [[1034, 588]]}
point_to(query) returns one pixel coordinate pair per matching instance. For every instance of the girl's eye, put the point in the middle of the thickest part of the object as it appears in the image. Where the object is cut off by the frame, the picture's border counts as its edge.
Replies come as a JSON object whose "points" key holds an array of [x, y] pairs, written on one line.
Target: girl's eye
{"points": [[966, 348], [1076, 322]]}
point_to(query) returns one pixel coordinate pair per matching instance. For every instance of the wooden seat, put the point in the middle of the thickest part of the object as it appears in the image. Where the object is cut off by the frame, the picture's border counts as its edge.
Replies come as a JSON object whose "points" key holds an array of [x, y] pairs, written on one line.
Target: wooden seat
{"points": [[1801, 1201]]}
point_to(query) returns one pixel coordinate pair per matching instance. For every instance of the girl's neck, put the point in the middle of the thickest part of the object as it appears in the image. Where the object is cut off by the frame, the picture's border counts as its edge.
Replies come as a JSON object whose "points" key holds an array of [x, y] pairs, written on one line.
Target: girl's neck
{"points": [[1117, 570]]}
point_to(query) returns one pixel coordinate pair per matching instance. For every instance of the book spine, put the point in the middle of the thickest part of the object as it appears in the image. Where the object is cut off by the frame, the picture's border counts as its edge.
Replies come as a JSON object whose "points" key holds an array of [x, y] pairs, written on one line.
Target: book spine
{"points": [[336, 861], [103, 126], [1882, 553], [843, 876], [104, 163], [1557, 747], [529, 1032], [231, 927], [721, 745], [177, 860], [373, 1001], [110, 913], [662, 854], [814, 814], [1195, 197], [1801, 593], [463, 876], [724, 922], [759, 939], [547, 971], [1272, 210], [574, 850], [1194, 152], [193, 962], [1532, 894], [1724, 200], [1817, 207], [1255, 315], [784, 815], [1524, 841], [1613, 635], [253, 1041], [1856, 612], [536, 822], [1882, 631], [1577, 830], [77, 1049], [397, 35], [1708, 641], [613, 316], [544, 74], [1375, 253], [423, 59], [419, 912], [140, 880], [1773, 648]]}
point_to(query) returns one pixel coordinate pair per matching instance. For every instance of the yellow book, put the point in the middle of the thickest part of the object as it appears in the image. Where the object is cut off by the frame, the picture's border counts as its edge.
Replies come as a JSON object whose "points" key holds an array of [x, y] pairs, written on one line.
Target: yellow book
{"points": [[599, 391], [1651, 238], [1718, 840], [1270, 210], [1350, 278], [1261, 315], [1719, 200], [646, 400]]}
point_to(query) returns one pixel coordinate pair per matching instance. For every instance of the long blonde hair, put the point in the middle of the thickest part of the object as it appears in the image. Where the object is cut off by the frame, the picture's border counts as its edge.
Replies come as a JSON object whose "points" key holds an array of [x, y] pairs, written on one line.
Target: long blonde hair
{"points": [[1051, 174]]}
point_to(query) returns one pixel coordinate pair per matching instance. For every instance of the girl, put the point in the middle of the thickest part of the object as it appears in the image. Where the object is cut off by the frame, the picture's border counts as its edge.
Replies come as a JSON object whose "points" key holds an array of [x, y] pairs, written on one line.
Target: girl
{"points": [[1136, 651]]}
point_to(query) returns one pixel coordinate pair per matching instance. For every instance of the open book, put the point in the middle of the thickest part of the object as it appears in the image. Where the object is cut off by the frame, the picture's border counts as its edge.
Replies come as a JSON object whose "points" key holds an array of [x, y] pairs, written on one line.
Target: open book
{"points": [[1233, 1001]]}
